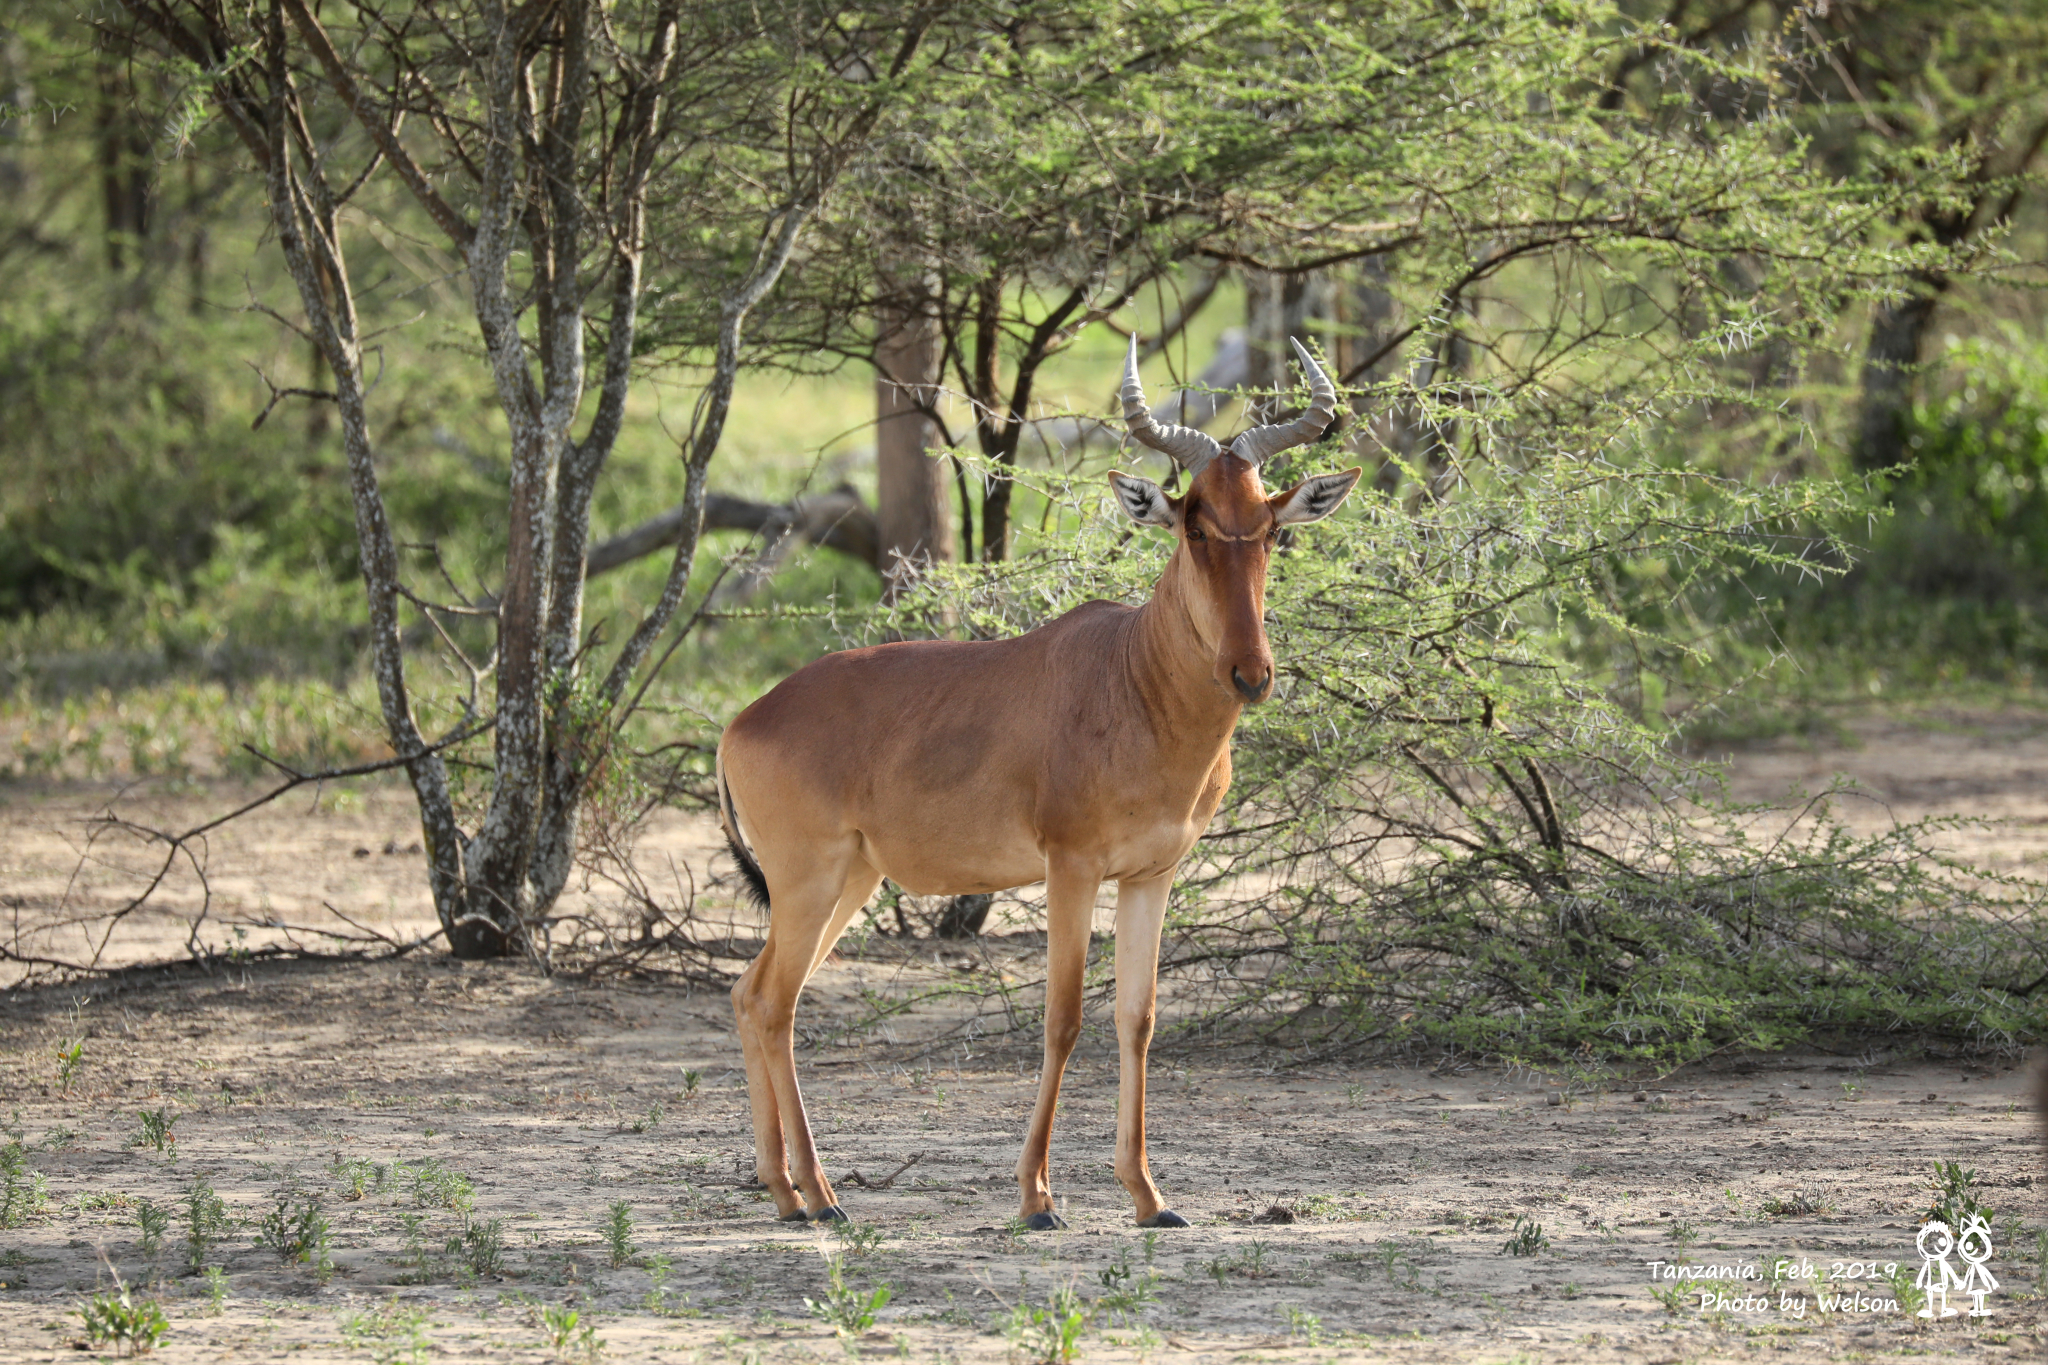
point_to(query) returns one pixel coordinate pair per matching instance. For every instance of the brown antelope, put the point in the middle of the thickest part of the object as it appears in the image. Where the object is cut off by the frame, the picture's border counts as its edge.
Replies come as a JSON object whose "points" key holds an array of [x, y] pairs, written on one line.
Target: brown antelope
{"points": [[1094, 748]]}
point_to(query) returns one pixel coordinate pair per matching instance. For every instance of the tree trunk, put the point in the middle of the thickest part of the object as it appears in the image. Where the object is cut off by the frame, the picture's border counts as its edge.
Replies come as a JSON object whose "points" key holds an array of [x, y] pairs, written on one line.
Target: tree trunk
{"points": [[1891, 369], [121, 149], [911, 485], [1276, 307]]}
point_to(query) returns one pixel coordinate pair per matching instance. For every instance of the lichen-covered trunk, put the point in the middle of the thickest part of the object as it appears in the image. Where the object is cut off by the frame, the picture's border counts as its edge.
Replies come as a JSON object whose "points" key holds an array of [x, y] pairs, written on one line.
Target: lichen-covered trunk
{"points": [[305, 217]]}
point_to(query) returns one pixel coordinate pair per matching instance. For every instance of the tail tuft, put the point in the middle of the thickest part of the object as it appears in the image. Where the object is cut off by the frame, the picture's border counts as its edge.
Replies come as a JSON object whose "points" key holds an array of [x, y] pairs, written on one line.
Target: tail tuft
{"points": [[757, 883]]}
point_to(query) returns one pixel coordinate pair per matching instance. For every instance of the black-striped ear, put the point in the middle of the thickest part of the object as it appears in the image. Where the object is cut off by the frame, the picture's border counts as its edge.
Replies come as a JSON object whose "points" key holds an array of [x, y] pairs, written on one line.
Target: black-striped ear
{"points": [[1144, 501], [1314, 499]]}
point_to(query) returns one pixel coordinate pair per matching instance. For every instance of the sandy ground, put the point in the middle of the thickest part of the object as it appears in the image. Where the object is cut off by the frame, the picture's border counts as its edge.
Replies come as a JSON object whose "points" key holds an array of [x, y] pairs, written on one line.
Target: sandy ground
{"points": [[546, 1104]]}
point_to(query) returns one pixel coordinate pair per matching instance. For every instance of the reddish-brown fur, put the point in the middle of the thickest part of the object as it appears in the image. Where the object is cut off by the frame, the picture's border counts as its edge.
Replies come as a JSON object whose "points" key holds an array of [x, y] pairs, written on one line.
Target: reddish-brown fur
{"points": [[1093, 748]]}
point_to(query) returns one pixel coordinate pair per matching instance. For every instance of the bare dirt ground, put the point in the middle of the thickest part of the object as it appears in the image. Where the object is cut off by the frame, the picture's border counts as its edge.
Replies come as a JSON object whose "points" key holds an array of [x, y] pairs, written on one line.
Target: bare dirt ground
{"points": [[418, 1086]]}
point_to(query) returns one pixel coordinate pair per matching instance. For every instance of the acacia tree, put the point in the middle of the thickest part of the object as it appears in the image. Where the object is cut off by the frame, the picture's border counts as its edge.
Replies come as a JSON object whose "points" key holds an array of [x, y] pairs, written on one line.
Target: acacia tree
{"points": [[555, 147]]}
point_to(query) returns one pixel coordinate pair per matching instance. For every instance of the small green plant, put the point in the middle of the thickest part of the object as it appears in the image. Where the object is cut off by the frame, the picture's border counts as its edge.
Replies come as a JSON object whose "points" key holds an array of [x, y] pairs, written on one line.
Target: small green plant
{"points": [[115, 1316], [1125, 1293], [1912, 1298], [206, 1222], [419, 1259], [1798, 1204], [1527, 1239], [1049, 1335], [618, 1232], [1671, 1296], [857, 1238], [566, 1334], [692, 1078], [1682, 1234], [434, 1186], [480, 1245], [359, 1177], [1302, 1323], [1394, 1259], [216, 1290], [655, 1114], [297, 1231], [155, 1130], [70, 1061], [1955, 1200], [24, 1190], [392, 1335], [845, 1309], [154, 1220]]}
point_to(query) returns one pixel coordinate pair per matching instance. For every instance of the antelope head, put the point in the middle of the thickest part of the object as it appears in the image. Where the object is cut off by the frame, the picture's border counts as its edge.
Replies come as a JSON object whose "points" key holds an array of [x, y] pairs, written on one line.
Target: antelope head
{"points": [[1226, 523]]}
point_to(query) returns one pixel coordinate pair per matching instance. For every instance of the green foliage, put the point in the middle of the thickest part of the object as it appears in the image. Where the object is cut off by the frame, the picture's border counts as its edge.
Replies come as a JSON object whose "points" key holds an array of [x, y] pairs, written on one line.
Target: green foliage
{"points": [[566, 1334], [1528, 1239], [1910, 1296], [1470, 839], [1125, 1293], [847, 1310], [480, 1245], [1949, 577], [154, 1220], [1954, 1197], [618, 1232], [154, 1129], [206, 1222], [70, 1061], [859, 1239], [359, 1176], [116, 1317], [1048, 1333], [433, 1186], [393, 1335], [296, 1229], [216, 1290], [24, 1191]]}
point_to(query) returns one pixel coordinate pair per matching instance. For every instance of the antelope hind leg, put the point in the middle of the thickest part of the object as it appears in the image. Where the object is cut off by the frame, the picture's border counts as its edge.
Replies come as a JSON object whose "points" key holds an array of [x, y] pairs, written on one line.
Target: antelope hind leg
{"points": [[805, 918]]}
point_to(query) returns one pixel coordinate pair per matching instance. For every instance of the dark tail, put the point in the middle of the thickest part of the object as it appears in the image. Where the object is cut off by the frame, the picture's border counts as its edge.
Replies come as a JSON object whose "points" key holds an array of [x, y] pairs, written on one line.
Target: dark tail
{"points": [[757, 884]]}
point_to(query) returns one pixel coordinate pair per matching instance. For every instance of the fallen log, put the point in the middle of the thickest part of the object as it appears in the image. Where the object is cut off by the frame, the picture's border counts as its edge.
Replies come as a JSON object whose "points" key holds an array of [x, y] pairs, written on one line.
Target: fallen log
{"points": [[837, 520]]}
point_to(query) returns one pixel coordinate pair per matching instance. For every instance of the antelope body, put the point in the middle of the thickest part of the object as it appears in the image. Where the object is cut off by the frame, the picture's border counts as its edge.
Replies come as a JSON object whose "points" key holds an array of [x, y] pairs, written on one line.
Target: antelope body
{"points": [[1095, 748]]}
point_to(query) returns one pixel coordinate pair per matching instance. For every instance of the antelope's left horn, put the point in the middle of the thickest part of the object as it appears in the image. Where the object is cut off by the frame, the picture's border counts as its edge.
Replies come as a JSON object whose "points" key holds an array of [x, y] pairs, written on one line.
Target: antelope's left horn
{"points": [[1254, 446]]}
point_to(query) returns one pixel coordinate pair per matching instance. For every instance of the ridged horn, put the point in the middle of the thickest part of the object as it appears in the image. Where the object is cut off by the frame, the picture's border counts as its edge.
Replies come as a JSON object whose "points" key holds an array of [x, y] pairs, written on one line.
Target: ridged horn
{"points": [[1256, 445], [1190, 449]]}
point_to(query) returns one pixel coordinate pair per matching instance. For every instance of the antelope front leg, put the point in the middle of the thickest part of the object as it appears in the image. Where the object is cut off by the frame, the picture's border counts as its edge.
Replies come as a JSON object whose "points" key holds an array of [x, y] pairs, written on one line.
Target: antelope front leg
{"points": [[1069, 914], [1140, 913]]}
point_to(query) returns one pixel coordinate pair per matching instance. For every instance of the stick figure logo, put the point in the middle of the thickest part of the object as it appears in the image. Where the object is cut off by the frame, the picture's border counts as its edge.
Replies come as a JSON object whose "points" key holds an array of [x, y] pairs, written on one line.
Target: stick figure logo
{"points": [[1937, 1276], [1974, 1246]]}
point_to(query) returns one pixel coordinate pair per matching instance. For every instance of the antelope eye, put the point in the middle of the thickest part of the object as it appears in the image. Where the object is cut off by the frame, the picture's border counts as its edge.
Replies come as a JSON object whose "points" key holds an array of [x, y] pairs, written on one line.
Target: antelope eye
{"points": [[1195, 532]]}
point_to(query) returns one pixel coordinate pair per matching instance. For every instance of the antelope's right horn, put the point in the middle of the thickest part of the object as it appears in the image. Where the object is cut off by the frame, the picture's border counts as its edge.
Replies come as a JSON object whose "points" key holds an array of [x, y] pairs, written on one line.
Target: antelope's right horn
{"points": [[1190, 449]]}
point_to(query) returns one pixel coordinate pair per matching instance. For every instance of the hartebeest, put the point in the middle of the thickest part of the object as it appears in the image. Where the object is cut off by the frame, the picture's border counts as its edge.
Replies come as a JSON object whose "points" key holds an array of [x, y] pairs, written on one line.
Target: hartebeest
{"points": [[1093, 748]]}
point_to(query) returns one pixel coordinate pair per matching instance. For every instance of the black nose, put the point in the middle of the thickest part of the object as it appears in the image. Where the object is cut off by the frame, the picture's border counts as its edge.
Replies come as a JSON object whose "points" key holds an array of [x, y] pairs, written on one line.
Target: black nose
{"points": [[1250, 689]]}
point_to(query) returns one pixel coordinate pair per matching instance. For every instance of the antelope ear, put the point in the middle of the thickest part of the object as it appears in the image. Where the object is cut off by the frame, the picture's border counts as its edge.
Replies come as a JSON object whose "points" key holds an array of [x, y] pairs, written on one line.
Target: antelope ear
{"points": [[1144, 501], [1314, 499]]}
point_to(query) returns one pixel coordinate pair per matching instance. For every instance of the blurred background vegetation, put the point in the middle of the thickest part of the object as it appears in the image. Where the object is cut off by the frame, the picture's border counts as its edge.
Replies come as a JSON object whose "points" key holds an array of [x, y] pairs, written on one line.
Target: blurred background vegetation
{"points": [[1853, 399]]}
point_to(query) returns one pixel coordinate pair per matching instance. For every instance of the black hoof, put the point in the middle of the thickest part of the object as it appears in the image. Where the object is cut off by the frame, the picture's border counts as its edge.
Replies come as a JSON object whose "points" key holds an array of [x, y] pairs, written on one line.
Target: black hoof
{"points": [[798, 1217], [831, 1213], [1044, 1222], [1165, 1218]]}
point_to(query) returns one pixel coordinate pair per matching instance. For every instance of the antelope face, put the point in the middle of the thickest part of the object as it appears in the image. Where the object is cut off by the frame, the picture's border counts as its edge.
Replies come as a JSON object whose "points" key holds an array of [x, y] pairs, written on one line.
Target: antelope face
{"points": [[1227, 527]]}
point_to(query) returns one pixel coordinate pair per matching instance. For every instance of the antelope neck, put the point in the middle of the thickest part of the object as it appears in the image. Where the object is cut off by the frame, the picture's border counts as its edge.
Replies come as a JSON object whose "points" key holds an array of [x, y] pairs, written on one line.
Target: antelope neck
{"points": [[1173, 668]]}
